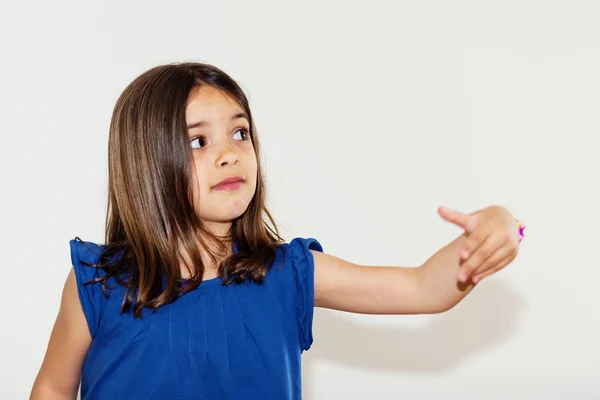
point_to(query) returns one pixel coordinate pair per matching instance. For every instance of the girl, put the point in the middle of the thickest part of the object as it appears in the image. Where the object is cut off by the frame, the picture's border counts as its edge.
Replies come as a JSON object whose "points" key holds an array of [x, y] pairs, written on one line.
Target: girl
{"points": [[194, 294]]}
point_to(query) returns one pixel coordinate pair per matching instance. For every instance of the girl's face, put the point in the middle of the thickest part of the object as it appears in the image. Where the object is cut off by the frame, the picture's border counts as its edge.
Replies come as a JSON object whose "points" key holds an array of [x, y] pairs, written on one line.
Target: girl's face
{"points": [[225, 166]]}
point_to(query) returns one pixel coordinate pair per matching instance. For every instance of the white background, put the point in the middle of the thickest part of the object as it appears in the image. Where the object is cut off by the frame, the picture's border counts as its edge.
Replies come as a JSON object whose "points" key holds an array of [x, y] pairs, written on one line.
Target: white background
{"points": [[371, 115]]}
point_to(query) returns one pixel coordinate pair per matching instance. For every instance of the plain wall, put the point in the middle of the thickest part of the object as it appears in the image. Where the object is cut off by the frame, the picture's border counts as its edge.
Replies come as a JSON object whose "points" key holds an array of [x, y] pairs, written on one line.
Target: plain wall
{"points": [[371, 115]]}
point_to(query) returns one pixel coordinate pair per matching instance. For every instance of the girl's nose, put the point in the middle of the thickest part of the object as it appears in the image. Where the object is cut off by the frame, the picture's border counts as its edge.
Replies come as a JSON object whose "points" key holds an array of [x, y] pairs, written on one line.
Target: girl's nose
{"points": [[228, 157]]}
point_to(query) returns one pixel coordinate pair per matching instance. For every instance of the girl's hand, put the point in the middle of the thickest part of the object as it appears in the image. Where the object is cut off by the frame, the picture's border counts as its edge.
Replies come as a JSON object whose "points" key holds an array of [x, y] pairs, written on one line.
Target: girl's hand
{"points": [[492, 240]]}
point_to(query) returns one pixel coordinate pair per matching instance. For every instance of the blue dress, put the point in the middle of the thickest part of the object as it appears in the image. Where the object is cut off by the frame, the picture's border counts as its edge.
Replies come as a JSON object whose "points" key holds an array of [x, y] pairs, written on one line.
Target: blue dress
{"points": [[239, 341]]}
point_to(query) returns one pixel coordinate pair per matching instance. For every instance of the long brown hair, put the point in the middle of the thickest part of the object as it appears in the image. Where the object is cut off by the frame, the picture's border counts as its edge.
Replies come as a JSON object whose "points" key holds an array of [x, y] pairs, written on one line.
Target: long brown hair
{"points": [[150, 215]]}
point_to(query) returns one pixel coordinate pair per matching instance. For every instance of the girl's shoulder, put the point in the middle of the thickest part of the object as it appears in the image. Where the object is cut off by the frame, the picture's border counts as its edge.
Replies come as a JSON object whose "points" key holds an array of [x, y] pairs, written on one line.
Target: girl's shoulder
{"points": [[299, 247], [292, 278], [296, 256], [302, 243], [87, 258], [85, 251]]}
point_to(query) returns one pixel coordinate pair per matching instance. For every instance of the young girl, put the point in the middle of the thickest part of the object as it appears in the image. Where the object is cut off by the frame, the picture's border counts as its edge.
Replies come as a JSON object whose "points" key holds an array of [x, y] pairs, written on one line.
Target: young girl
{"points": [[194, 295]]}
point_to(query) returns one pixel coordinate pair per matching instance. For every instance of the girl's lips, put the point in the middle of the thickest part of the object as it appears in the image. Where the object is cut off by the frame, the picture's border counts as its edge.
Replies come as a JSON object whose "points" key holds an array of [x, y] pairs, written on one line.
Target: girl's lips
{"points": [[229, 186], [230, 183]]}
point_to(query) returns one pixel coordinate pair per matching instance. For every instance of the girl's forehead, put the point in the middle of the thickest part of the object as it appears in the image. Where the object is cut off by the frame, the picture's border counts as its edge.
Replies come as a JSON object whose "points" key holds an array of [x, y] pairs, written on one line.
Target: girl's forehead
{"points": [[209, 104]]}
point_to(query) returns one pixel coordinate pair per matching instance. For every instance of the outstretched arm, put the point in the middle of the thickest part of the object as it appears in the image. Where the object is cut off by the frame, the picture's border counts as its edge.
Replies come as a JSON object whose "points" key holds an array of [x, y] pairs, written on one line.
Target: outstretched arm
{"points": [[491, 238]]}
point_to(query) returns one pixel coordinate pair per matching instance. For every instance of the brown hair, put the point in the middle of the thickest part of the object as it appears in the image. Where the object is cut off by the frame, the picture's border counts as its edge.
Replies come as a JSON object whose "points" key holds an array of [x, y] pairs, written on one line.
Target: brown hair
{"points": [[151, 215]]}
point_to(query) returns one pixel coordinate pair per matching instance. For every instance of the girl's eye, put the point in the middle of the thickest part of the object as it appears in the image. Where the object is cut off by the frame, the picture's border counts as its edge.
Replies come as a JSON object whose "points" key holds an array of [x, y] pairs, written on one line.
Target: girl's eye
{"points": [[241, 134], [200, 142]]}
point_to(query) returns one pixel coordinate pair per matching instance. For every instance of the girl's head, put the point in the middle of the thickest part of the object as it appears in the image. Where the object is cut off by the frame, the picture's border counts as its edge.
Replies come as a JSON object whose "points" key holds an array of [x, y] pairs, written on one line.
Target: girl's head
{"points": [[185, 182], [224, 162]]}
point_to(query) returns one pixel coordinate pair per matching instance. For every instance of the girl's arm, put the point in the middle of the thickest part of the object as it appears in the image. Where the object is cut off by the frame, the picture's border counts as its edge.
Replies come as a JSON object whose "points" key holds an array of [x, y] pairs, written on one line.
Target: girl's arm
{"points": [[436, 286], [60, 373]]}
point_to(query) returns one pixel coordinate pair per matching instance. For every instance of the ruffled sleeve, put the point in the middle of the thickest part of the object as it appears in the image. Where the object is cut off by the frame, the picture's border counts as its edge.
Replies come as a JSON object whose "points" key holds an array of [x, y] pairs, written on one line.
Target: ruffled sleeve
{"points": [[302, 262], [90, 295]]}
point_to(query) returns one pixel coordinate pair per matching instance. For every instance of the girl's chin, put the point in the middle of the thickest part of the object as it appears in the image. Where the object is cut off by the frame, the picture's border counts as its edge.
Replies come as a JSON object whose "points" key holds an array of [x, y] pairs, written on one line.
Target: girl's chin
{"points": [[222, 218]]}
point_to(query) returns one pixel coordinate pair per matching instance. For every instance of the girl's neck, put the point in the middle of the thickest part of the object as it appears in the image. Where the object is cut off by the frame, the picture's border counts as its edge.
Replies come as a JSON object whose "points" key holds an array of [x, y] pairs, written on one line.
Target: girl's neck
{"points": [[219, 229], [223, 232]]}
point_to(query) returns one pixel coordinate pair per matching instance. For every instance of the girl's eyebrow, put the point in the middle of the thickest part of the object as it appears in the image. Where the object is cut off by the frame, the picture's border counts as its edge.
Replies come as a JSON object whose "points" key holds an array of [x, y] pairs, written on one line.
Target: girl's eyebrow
{"points": [[206, 123]]}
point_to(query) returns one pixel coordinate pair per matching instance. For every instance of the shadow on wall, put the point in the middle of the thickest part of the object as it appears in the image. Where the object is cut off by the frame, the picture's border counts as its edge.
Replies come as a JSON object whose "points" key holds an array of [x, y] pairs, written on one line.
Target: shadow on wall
{"points": [[483, 319]]}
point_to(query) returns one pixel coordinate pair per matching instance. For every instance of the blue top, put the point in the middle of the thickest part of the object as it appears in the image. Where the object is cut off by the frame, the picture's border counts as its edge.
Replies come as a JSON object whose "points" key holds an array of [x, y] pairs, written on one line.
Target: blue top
{"points": [[239, 341]]}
